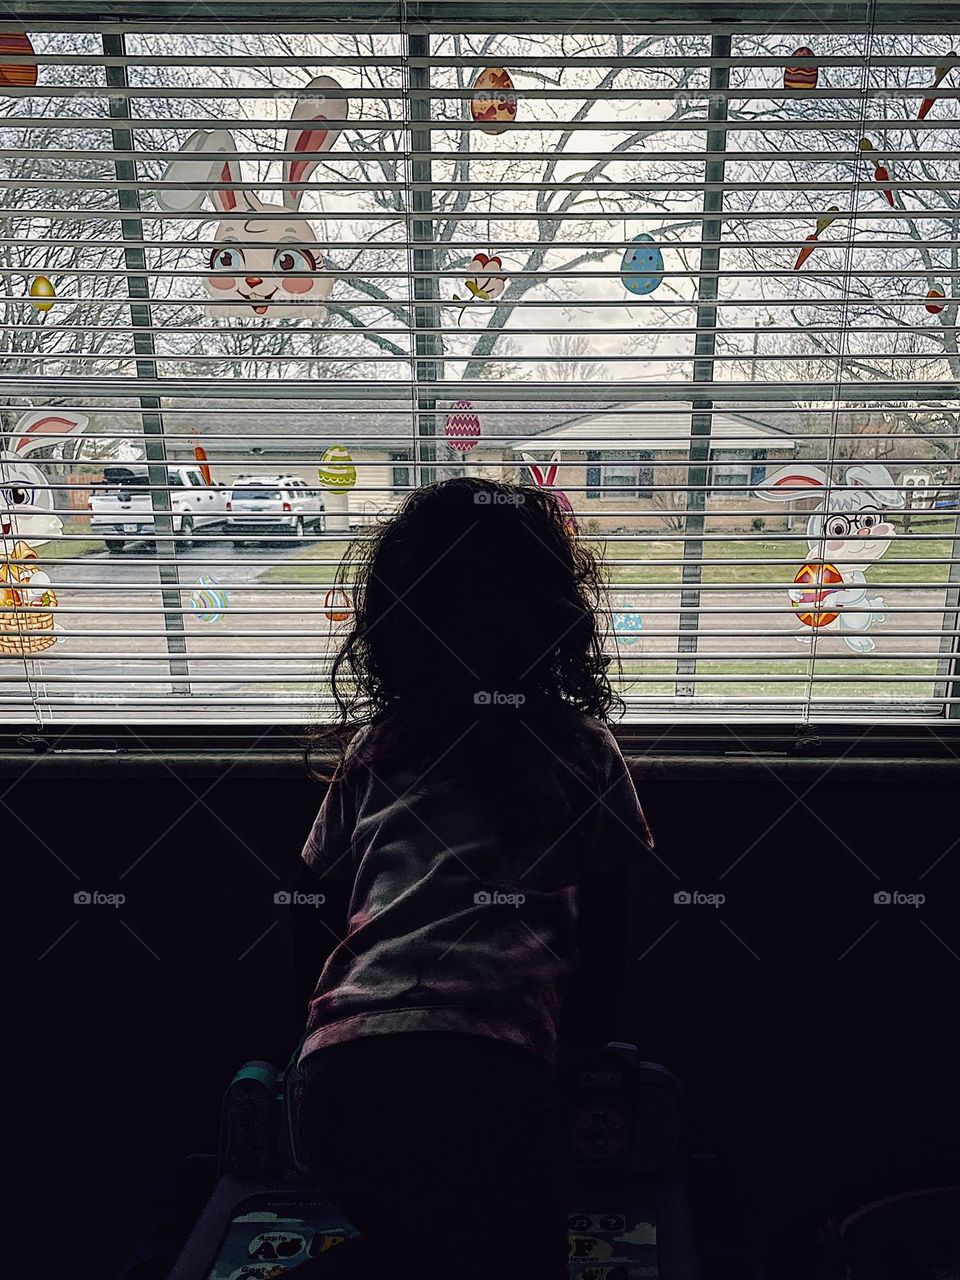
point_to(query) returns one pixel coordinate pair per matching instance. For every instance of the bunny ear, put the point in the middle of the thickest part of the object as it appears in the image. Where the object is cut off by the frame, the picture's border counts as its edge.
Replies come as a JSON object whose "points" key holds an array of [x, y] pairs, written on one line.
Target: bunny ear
{"points": [[552, 467], [207, 157], [875, 477], [46, 427], [534, 468], [315, 125], [790, 483]]}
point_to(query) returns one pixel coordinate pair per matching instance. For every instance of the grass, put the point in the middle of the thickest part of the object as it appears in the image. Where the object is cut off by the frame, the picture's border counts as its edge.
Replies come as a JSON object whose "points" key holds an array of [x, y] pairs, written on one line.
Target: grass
{"points": [[72, 549], [302, 569], [893, 684], [736, 547]]}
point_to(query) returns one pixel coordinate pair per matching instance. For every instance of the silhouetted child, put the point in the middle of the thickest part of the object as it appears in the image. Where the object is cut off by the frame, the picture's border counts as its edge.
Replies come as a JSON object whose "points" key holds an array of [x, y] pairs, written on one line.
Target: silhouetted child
{"points": [[479, 827]]}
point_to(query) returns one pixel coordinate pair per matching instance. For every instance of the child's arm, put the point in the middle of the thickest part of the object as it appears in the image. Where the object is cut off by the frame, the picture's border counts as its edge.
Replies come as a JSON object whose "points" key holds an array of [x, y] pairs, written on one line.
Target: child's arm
{"points": [[316, 930], [614, 857], [327, 873]]}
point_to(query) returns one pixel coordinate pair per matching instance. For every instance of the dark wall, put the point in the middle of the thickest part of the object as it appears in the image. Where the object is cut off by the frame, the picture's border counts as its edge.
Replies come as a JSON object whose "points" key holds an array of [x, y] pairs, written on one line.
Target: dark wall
{"points": [[814, 1029]]}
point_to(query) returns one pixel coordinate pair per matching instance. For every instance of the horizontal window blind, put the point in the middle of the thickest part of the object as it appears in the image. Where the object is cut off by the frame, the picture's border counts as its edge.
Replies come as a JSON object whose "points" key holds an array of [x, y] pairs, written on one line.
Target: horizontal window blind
{"points": [[259, 281]]}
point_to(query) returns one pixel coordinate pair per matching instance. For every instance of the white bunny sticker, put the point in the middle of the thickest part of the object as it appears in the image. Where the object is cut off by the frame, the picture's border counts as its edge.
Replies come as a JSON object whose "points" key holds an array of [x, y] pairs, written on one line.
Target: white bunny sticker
{"points": [[265, 264], [545, 477], [846, 534], [27, 514]]}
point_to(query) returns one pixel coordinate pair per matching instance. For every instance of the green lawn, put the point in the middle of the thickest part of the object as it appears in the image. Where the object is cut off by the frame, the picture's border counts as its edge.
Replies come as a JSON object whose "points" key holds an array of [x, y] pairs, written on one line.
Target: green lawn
{"points": [[304, 567], [878, 677], [72, 549], [717, 553]]}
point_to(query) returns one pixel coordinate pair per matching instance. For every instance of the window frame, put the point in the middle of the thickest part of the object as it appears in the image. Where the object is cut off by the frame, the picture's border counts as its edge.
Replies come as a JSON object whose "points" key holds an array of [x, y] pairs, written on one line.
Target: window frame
{"points": [[941, 18]]}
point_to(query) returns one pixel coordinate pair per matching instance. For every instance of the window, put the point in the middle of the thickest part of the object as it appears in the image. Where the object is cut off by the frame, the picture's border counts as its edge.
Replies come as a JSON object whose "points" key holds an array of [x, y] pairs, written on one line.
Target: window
{"points": [[400, 475], [624, 473], [733, 470], [726, 303]]}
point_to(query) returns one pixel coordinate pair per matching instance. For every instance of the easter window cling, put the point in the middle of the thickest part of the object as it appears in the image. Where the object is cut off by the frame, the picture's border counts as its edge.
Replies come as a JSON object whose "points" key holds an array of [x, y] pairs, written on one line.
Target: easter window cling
{"points": [[42, 293], [337, 470], [642, 267], [21, 75]]}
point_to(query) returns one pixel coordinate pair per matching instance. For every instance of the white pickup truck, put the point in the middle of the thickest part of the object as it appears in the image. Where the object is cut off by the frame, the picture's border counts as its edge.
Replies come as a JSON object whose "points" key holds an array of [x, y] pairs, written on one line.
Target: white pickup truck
{"points": [[122, 506]]}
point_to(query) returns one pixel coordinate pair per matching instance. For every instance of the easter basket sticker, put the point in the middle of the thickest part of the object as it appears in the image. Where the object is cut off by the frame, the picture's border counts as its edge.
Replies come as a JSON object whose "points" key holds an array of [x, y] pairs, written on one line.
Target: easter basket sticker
{"points": [[27, 515]]}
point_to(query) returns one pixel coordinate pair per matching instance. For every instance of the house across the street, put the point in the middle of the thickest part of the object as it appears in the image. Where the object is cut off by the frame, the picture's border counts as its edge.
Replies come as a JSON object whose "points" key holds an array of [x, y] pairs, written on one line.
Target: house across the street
{"points": [[617, 461]]}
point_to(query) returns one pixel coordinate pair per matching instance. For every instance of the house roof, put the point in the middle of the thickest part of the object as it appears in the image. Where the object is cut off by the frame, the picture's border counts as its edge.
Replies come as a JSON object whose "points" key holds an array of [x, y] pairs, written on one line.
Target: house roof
{"points": [[266, 423], [559, 425], [657, 425], [265, 427]]}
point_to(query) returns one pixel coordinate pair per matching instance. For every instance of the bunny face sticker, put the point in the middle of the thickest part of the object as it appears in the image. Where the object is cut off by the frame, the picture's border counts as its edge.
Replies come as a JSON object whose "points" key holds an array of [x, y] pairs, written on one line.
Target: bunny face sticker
{"points": [[261, 265], [26, 504], [846, 534]]}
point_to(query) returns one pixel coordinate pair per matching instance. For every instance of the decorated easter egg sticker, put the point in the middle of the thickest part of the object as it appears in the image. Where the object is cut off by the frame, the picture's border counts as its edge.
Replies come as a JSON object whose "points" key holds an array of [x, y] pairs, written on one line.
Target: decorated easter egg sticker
{"points": [[337, 605], [819, 581], [936, 301], [627, 624], [801, 77], [462, 427], [336, 470], [494, 103], [209, 601], [42, 293], [19, 74], [642, 267]]}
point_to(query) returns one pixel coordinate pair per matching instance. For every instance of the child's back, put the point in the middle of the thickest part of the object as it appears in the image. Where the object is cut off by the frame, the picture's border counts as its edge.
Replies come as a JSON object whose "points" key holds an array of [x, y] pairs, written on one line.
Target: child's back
{"points": [[465, 876], [476, 820]]}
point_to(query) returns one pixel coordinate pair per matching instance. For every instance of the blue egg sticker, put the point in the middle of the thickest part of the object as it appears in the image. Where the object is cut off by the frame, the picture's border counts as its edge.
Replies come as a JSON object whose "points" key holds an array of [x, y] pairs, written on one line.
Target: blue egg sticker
{"points": [[642, 267]]}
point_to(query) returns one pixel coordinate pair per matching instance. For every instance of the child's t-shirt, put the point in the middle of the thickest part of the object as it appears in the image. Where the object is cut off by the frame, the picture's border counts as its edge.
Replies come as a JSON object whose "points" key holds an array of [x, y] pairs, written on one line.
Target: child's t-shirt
{"points": [[462, 918]]}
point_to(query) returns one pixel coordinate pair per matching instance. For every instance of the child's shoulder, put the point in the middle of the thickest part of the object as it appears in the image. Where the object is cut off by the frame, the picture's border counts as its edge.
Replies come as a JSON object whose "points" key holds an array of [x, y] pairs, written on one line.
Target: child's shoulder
{"points": [[595, 733]]}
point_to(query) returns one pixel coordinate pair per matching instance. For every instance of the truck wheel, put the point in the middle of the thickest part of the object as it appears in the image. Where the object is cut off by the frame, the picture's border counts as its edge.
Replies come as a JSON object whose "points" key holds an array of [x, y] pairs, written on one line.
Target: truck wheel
{"points": [[185, 537], [115, 546]]}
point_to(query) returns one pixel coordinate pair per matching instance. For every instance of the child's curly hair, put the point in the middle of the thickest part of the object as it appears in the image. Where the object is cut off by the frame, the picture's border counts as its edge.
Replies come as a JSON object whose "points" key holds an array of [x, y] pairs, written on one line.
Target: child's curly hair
{"points": [[472, 598]]}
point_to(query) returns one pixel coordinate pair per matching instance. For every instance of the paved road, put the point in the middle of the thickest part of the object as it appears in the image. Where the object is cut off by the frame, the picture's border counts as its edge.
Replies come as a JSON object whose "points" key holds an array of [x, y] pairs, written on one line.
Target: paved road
{"points": [[222, 561]]}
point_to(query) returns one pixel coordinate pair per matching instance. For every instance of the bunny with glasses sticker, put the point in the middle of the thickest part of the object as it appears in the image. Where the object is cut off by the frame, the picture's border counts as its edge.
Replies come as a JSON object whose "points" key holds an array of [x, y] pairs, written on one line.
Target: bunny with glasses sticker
{"points": [[27, 514], [847, 533], [270, 265], [545, 477]]}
